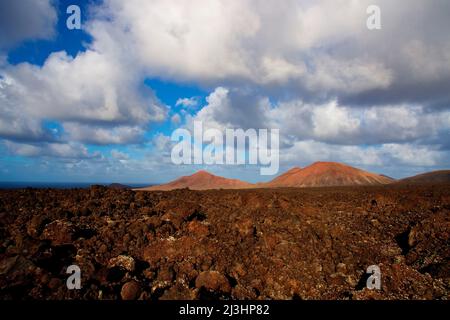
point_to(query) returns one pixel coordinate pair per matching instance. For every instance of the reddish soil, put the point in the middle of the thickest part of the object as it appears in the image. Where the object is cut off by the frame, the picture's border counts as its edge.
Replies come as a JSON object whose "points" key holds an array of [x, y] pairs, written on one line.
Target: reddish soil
{"points": [[229, 244]]}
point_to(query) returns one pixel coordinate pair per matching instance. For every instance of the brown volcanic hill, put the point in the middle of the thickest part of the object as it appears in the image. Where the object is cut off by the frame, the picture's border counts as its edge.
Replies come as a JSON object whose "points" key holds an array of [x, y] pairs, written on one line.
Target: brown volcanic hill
{"points": [[202, 180], [442, 176], [285, 178], [327, 174]]}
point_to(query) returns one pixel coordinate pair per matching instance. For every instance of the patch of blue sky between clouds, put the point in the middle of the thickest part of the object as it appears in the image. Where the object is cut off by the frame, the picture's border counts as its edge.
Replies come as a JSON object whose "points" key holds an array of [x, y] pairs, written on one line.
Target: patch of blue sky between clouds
{"points": [[72, 42]]}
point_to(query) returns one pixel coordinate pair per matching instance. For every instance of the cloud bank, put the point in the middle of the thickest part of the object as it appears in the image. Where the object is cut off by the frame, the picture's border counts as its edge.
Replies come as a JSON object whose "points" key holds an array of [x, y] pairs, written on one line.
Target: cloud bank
{"points": [[336, 90]]}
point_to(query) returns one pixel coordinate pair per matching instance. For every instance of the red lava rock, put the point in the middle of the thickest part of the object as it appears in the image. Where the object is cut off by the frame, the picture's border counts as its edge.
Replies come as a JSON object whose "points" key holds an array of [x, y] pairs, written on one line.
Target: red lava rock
{"points": [[7, 264], [149, 274], [186, 271], [145, 211], [15, 265], [165, 274], [59, 232], [54, 283], [45, 279], [122, 261], [261, 244], [179, 292], [245, 227], [34, 227], [198, 229], [130, 291], [213, 281], [87, 267]]}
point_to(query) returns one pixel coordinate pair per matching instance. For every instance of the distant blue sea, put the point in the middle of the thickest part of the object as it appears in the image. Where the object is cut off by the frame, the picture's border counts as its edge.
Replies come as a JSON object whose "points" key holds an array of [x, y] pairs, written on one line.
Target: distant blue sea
{"points": [[61, 185]]}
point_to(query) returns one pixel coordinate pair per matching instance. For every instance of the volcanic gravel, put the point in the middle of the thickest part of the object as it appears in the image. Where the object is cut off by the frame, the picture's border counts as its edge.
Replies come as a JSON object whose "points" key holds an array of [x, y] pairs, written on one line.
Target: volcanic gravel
{"points": [[226, 244]]}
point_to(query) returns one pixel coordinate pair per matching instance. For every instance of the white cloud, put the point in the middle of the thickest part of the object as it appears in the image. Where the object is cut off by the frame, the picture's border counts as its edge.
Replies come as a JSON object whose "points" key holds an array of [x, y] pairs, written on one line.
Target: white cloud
{"points": [[233, 108], [309, 68], [264, 44], [331, 121], [90, 87], [195, 40], [321, 48], [406, 154], [385, 155], [53, 150], [91, 90], [187, 102], [278, 70], [103, 136], [116, 154]]}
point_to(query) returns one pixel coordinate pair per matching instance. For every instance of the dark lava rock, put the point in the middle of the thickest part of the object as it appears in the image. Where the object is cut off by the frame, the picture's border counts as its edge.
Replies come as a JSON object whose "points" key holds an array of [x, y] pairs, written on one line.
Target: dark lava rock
{"points": [[59, 232], [34, 227], [130, 291], [226, 244], [213, 281]]}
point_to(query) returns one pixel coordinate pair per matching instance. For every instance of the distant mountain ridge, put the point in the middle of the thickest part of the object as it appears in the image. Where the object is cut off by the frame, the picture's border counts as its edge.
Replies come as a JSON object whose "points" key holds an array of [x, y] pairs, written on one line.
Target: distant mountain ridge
{"points": [[319, 174], [442, 176]]}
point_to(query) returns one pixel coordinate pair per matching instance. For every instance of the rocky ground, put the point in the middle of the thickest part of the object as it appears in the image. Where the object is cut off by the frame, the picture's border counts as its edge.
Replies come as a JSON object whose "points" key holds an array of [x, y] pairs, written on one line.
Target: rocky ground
{"points": [[226, 244]]}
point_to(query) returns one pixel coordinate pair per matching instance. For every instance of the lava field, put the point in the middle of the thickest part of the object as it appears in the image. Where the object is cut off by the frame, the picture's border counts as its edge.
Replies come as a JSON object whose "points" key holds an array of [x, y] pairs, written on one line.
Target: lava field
{"points": [[314, 243]]}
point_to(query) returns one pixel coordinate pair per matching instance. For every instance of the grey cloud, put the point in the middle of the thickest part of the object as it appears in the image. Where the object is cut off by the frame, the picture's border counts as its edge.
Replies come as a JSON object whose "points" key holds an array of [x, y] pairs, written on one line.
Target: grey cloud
{"points": [[52, 150], [329, 79], [26, 19], [329, 122], [316, 51], [103, 135]]}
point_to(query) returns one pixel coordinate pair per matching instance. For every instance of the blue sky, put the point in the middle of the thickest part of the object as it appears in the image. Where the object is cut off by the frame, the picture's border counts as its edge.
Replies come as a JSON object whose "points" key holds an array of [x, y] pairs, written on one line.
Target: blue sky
{"points": [[100, 104]]}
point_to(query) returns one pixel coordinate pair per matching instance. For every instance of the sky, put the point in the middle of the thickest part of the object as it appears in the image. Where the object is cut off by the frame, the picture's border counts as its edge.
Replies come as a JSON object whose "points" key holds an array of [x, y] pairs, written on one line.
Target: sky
{"points": [[99, 104]]}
